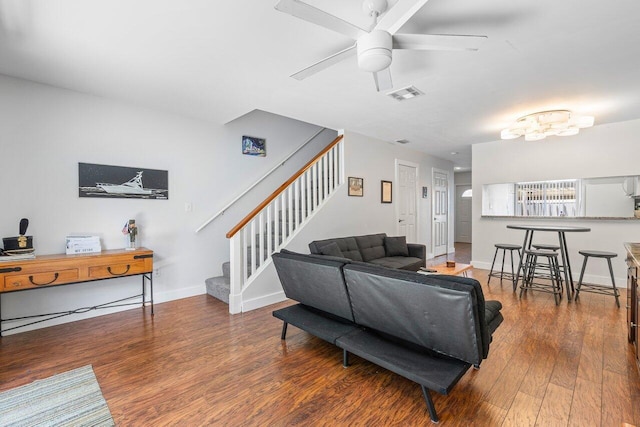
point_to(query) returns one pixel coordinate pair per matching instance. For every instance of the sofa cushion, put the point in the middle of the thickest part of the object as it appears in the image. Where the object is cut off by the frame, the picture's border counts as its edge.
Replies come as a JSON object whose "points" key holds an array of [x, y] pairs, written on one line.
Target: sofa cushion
{"points": [[347, 245], [332, 249], [492, 315], [323, 257], [396, 246], [399, 262], [425, 310], [371, 246], [314, 281]]}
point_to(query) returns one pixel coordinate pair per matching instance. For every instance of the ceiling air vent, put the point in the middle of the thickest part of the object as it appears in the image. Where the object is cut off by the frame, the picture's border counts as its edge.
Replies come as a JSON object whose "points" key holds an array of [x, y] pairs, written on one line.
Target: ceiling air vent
{"points": [[402, 141], [405, 93]]}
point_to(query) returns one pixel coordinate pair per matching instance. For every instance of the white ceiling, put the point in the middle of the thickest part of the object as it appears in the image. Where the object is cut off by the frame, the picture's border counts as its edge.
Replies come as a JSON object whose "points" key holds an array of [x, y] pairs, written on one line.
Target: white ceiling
{"points": [[217, 60]]}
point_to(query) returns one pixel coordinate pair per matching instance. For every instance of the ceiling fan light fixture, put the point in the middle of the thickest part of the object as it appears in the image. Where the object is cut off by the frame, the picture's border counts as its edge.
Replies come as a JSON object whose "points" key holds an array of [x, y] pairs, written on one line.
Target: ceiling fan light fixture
{"points": [[537, 126], [374, 8], [374, 51]]}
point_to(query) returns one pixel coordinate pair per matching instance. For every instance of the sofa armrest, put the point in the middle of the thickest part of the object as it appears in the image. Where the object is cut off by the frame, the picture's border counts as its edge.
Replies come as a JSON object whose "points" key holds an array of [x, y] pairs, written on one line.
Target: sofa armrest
{"points": [[418, 251]]}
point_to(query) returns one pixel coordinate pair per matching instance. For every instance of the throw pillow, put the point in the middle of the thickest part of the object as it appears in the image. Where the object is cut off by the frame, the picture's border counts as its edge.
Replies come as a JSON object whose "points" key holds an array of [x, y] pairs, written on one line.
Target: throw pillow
{"points": [[396, 246], [332, 249]]}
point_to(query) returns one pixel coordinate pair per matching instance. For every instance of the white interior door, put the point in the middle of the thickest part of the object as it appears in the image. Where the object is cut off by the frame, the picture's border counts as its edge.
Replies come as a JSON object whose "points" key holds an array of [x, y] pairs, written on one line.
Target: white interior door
{"points": [[407, 206], [440, 206], [463, 215]]}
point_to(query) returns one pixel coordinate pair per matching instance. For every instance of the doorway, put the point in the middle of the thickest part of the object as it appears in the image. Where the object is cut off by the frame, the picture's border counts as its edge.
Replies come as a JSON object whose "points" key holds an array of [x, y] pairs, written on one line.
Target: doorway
{"points": [[440, 207], [463, 215], [406, 210]]}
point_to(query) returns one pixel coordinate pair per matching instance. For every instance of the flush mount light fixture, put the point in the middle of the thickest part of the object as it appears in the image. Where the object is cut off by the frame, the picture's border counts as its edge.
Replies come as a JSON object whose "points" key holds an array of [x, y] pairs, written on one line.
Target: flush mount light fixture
{"points": [[538, 126]]}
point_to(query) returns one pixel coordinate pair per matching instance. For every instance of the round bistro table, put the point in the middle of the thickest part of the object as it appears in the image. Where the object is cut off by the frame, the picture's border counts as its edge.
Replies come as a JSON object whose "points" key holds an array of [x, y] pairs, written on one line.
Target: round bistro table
{"points": [[564, 253]]}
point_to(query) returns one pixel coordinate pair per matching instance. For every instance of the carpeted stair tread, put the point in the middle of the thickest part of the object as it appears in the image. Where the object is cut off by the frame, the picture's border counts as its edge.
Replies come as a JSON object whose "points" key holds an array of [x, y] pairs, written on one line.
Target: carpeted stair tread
{"points": [[226, 269], [219, 287]]}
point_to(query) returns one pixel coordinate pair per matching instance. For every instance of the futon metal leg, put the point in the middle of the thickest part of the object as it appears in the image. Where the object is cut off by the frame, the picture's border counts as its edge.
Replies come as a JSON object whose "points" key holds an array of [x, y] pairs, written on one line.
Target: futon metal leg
{"points": [[284, 331], [430, 406], [345, 358]]}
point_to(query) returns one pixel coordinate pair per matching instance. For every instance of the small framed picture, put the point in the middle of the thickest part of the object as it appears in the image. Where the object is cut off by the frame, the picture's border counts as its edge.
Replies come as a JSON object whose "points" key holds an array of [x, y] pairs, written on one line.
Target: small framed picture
{"points": [[355, 186], [425, 192], [253, 146], [385, 191]]}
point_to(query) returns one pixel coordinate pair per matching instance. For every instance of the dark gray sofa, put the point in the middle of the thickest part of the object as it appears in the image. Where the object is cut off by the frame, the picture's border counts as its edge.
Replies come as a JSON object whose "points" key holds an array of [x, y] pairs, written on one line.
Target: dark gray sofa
{"points": [[378, 249], [428, 328]]}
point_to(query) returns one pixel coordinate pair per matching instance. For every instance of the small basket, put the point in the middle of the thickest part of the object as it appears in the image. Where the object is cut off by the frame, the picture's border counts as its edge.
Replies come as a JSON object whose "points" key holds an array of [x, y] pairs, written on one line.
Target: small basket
{"points": [[451, 264]]}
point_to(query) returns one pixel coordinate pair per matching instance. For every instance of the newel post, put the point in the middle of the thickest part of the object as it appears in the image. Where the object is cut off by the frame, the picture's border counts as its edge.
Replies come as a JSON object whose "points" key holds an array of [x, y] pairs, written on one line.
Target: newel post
{"points": [[235, 289]]}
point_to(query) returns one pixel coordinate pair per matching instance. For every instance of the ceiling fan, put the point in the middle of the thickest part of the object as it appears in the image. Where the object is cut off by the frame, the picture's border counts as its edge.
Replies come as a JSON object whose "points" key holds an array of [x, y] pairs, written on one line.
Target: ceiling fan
{"points": [[373, 46]]}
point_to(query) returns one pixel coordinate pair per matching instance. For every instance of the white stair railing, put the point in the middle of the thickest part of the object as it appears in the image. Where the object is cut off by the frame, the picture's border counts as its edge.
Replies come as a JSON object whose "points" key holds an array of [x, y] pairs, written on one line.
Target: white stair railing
{"points": [[277, 219]]}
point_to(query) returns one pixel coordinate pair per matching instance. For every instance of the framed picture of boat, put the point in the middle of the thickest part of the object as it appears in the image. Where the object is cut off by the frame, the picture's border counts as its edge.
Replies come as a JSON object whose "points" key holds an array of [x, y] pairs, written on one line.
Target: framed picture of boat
{"points": [[123, 182], [253, 146]]}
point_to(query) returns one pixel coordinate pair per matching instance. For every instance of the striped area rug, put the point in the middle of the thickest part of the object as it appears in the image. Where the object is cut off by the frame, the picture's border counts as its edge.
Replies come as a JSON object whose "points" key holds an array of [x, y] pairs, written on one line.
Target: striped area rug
{"points": [[72, 398]]}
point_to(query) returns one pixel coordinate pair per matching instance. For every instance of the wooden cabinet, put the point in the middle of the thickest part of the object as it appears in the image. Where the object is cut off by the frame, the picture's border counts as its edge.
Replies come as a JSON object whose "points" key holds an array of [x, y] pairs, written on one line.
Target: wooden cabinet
{"points": [[54, 270], [633, 297]]}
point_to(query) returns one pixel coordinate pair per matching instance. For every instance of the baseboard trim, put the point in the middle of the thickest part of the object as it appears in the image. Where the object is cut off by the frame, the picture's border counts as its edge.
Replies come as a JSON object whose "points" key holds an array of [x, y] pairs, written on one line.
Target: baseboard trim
{"points": [[621, 282], [263, 301]]}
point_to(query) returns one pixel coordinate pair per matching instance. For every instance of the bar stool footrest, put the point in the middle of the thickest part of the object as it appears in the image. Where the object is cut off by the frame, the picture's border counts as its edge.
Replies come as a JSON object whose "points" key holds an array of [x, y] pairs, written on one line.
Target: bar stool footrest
{"points": [[599, 289]]}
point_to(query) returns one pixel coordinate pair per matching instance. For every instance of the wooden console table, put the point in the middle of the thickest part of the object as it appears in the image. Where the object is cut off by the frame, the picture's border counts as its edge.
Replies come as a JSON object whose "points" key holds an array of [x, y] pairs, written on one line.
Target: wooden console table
{"points": [[47, 271]]}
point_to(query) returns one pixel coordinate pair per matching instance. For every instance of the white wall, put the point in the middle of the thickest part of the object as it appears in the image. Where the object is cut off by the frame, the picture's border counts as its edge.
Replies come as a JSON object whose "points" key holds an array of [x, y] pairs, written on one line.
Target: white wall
{"points": [[605, 150], [47, 131]]}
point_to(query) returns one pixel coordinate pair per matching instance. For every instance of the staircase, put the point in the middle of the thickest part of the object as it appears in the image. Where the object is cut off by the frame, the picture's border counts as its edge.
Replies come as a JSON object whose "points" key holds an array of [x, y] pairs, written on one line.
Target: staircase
{"points": [[275, 222], [218, 287]]}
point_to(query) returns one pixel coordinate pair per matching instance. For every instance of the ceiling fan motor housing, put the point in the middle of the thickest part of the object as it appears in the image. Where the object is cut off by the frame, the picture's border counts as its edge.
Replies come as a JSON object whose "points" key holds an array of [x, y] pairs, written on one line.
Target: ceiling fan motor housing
{"points": [[374, 51]]}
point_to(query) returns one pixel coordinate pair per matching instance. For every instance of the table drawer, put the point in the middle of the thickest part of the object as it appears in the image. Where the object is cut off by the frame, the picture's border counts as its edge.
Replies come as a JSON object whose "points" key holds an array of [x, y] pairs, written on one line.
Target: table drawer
{"points": [[34, 280], [116, 269]]}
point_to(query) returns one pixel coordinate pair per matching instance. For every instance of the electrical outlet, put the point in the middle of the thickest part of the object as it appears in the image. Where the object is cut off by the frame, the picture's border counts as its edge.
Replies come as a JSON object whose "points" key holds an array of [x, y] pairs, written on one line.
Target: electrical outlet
{"points": [[188, 207], [156, 272]]}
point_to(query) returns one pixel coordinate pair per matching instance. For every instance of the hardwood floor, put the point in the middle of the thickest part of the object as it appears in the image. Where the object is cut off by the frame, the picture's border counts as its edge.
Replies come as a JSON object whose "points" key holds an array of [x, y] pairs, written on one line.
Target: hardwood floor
{"points": [[194, 364]]}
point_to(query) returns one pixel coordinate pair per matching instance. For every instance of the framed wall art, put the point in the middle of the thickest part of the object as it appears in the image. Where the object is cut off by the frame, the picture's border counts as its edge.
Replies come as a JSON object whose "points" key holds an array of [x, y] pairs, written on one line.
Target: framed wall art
{"points": [[356, 186], [385, 191], [122, 182], [253, 146]]}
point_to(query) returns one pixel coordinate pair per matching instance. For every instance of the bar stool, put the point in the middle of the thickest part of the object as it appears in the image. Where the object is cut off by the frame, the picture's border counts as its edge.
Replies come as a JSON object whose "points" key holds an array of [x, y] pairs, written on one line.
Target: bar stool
{"points": [[531, 264], [598, 289], [546, 247], [504, 247]]}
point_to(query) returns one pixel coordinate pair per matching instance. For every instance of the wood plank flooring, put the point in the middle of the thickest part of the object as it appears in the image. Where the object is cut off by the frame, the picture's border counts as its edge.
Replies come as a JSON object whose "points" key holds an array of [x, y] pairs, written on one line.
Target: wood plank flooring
{"points": [[194, 364]]}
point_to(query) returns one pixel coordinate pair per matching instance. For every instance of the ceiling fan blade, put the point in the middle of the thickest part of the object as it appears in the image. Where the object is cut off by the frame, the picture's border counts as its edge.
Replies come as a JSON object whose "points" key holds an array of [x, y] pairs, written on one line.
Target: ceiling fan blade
{"points": [[325, 63], [399, 14], [383, 79], [437, 42], [319, 17]]}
